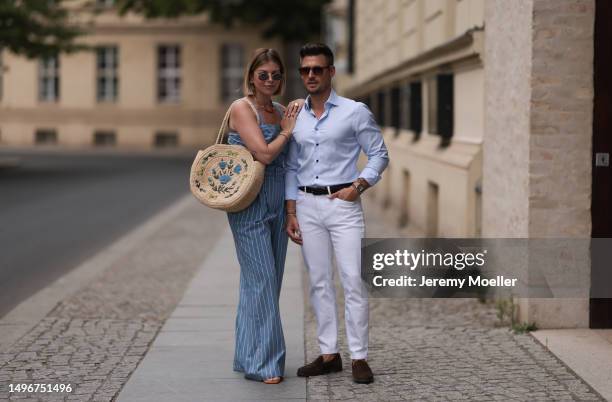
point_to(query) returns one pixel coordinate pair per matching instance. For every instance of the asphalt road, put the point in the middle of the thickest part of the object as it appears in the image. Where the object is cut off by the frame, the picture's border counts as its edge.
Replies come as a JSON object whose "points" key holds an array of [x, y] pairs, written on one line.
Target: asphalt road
{"points": [[59, 208]]}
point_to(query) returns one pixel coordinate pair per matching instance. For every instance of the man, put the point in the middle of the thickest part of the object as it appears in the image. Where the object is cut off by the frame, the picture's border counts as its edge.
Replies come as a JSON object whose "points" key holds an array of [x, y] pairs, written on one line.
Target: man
{"points": [[324, 213]]}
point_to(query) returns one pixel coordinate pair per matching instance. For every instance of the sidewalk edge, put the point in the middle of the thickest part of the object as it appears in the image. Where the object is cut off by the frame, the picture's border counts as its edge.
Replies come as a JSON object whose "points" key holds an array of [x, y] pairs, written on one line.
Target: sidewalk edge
{"points": [[21, 319]]}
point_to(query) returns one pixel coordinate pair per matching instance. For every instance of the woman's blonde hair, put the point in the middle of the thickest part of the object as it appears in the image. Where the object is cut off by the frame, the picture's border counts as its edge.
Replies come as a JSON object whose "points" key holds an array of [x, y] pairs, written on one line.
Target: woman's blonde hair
{"points": [[261, 56]]}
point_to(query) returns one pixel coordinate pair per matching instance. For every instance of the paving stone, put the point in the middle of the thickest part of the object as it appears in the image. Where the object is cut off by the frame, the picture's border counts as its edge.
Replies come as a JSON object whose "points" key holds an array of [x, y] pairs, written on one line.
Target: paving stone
{"points": [[95, 339], [442, 350]]}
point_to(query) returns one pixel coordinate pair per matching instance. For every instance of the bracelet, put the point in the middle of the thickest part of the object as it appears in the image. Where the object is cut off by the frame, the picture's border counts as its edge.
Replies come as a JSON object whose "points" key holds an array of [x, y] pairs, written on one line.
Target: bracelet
{"points": [[291, 212], [284, 135]]}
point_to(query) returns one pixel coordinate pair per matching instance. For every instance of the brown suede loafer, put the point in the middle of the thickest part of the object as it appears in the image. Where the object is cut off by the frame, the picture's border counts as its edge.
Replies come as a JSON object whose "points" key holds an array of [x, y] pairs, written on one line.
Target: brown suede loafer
{"points": [[361, 372], [319, 367]]}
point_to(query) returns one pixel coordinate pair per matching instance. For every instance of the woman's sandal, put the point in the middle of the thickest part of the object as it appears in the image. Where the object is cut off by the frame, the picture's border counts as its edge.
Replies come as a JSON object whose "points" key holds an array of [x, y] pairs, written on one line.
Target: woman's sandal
{"points": [[273, 380]]}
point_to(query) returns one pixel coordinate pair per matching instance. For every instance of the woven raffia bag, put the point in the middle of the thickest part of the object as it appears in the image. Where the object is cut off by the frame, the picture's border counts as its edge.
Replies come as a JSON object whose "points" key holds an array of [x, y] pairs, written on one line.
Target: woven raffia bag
{"points": [[224, 176]]}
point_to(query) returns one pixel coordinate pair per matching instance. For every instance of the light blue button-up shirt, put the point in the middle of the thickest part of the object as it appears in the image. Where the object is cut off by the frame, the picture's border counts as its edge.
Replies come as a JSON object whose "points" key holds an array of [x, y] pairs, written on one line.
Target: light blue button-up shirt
{"points": [[324, 152]]}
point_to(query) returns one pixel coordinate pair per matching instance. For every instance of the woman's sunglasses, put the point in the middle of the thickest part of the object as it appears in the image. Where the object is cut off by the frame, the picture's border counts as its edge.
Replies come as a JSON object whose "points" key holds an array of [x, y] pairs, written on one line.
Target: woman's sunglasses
{"points": [[265, 76], [316, 70]]}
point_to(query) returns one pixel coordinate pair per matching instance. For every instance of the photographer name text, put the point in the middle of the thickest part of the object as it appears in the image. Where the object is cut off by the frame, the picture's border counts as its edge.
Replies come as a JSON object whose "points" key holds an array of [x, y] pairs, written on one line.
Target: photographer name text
{"points": [[424, 281]]}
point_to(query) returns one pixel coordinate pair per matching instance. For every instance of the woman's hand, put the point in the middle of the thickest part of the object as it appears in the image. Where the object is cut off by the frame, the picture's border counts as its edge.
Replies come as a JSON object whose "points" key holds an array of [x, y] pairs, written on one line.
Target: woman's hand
{"points": [[300, 102], [290, 116], [293, 229]]}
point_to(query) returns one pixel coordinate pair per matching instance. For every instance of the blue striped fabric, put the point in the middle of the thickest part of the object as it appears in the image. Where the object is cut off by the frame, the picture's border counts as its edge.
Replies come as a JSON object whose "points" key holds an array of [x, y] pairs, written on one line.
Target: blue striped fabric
{"points": [[261, 245]]}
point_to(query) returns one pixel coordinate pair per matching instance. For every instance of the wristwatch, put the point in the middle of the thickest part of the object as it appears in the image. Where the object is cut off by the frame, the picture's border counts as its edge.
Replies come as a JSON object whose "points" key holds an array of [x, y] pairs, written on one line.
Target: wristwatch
{"points": [[359, 187]]}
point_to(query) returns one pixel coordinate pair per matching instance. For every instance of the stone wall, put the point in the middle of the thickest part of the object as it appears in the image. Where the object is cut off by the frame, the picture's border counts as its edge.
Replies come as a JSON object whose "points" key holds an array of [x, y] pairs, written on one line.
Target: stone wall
{"points": [[538, 131], [508, 41], [561, 118]]}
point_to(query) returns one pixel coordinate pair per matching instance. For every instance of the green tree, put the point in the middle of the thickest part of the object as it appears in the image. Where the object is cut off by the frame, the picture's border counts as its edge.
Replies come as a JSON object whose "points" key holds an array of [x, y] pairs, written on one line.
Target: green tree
{"points": [[37, 28], [289, 20]]}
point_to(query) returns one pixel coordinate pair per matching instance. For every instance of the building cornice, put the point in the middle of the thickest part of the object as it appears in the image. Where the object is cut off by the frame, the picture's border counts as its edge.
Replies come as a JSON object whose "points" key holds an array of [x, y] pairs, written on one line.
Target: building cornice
{"points": [[470, 45]]}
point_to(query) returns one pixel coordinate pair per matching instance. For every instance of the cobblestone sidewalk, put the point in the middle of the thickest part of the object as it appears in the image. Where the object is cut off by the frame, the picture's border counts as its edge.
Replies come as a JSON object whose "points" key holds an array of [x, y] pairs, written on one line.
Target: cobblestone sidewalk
{"points": [[95, 339], [442, 350]]}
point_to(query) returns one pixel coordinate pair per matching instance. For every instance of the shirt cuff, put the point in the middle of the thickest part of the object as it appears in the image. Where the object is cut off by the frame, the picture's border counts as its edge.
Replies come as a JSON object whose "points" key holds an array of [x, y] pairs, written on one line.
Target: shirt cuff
{"points": [[370, 175], [291, 190]]}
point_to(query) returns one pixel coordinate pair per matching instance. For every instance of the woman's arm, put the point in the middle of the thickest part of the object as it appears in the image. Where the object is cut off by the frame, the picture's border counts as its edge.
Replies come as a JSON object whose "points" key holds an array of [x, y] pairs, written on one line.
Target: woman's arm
{"points": [[243, 121]]}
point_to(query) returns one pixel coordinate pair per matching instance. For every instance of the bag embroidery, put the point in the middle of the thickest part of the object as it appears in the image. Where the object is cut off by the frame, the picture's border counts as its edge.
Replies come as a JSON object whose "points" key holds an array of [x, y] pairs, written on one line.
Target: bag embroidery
{"points": [[226, 177]]}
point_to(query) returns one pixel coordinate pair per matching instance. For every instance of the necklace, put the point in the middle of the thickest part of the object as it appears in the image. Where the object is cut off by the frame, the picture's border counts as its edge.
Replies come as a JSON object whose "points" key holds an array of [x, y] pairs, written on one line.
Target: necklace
{"points": [[267, 108]]}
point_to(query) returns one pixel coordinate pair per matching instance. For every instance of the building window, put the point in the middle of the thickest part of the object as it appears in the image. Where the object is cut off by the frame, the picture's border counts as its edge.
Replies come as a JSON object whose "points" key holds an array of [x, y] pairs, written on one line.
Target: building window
{"points": [[350, 68], [381, 109], [107, 76], [169, 73], [232, 64], [415, 108], [433, 192], [1, 75], [165, 139], [48, 79], [105, 138], [45, 137], [105, 3], [404, 217], [432, 105], [440, 106], [396, 107]]}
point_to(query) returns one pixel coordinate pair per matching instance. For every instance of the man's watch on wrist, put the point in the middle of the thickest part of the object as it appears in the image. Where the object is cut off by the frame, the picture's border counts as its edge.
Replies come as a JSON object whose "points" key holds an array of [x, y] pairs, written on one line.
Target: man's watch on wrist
{"points": [[359, 187]]}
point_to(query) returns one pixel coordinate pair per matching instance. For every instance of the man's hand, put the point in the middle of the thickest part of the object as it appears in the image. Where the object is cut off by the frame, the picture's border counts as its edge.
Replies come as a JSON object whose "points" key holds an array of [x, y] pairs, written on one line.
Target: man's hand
{"points": [[347, 194], [293, 229]]}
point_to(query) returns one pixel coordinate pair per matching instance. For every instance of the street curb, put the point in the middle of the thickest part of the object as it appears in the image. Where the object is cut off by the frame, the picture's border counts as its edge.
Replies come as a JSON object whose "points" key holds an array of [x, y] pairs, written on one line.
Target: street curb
{"points": [[584, 352], [31, 311]]}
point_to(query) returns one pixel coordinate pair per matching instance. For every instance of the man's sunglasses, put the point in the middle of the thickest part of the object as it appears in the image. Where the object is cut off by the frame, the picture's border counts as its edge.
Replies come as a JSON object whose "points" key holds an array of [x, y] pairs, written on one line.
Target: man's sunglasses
{"points": [[265, 76], [316, 70]]}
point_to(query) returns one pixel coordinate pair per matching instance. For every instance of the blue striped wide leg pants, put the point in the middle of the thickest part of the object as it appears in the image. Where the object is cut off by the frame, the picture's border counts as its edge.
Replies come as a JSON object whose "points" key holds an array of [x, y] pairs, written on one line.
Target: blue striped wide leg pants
{"points": [[261, 244]]}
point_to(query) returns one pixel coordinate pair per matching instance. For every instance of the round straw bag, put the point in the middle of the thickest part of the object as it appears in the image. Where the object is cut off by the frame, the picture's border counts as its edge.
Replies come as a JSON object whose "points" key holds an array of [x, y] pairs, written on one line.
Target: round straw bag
{"points": [[226, 177]]}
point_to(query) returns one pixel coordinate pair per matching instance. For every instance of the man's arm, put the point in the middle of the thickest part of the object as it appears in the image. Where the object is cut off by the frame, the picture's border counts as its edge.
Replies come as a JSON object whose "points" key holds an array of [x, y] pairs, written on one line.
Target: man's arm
{"points": [[291, 167], [371, 141]]}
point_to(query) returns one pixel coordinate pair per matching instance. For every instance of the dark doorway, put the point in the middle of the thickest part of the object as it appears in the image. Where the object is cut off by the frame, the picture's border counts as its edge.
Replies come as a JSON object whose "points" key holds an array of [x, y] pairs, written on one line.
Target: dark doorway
{"points": [[601, 309]]}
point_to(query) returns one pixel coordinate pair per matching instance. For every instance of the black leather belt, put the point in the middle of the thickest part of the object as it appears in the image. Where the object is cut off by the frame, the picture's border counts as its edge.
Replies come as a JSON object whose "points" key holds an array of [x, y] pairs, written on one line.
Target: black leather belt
{"points": [[324, 190]]}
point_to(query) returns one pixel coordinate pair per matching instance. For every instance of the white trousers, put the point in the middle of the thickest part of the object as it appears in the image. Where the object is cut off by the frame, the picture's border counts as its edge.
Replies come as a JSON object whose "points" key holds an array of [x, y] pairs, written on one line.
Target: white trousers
{"points": [[333, 227]]}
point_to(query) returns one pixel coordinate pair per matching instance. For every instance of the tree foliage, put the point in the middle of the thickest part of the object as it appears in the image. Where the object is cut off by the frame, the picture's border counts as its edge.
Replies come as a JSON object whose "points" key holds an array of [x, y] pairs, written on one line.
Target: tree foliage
{"points": [[289, 20], [37, 28]]}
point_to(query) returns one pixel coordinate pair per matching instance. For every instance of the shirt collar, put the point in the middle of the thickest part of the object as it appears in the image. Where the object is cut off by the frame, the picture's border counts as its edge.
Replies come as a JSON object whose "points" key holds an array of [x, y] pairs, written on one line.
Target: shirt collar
{"points": [[332, 100]]}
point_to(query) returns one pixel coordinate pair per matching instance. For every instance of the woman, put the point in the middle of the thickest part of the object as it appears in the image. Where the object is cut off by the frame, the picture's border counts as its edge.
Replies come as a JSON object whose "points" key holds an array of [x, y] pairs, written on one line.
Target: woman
{"points": [[265, 128]]}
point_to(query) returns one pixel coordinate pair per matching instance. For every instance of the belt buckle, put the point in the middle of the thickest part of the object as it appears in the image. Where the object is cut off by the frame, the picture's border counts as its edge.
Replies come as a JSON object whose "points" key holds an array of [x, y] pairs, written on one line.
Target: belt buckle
{"points": [[328, 190]]}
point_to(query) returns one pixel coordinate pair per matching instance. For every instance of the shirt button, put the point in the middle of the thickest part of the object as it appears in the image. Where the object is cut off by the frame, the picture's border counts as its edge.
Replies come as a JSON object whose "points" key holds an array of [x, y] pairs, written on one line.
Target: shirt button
{"points": [[317, 177], [317, 144], [317, 161]]}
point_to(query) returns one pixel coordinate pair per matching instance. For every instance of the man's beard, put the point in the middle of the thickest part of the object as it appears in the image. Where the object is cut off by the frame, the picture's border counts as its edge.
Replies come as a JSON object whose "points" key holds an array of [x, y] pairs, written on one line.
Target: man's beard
{"points": [[320, 89]]}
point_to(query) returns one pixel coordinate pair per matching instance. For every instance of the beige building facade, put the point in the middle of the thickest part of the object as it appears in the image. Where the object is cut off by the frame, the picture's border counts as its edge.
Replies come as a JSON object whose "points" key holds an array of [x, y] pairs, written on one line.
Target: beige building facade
{"points": [[487, 110], [146, 84], [417, 64]]}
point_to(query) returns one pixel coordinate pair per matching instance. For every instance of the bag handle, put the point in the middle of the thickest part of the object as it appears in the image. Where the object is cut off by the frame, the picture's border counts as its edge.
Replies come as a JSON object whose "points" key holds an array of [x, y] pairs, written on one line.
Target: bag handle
{"points": [[225, 123]]}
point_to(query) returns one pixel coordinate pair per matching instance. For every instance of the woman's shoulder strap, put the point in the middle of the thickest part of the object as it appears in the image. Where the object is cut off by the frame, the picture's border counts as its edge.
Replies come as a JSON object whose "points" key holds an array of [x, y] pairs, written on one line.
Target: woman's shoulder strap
{"points": [[253, 108]]}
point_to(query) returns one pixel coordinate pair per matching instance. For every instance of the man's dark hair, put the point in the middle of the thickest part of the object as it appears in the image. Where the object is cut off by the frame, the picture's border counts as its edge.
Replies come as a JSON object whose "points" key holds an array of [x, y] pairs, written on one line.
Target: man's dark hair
{"points": [[315, 49]]}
